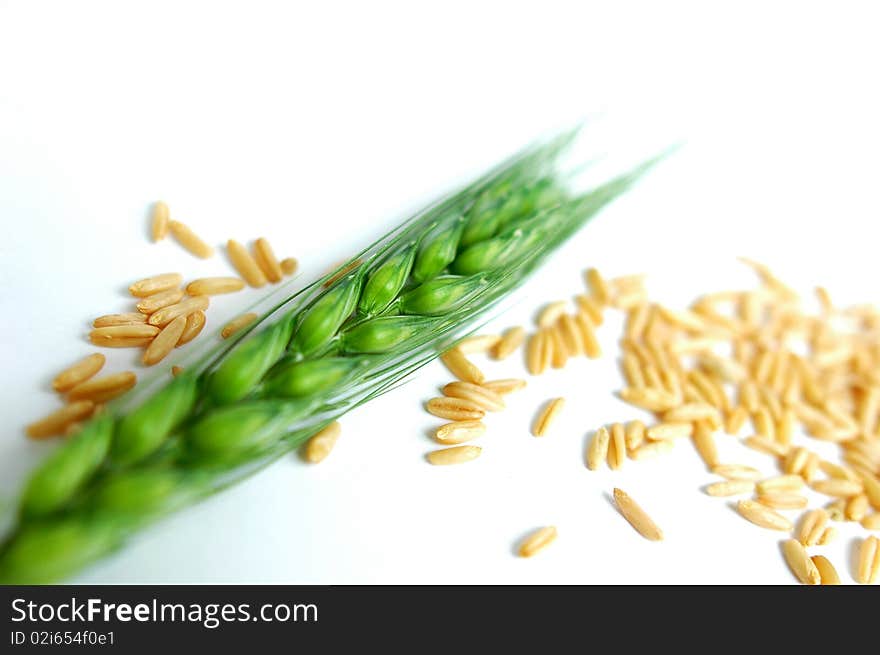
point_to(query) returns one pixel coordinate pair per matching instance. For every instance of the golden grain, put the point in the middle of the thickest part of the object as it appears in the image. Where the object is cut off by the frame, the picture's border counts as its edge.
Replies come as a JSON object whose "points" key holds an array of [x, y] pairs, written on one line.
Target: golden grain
{"points": [[164, 342], [784, 429], [505, 385], [588, 336], [289, 265], [321, 444], [616, 447], [665, 430], [510, 341], [836, 509], [593, 310], [79, 372], [651, 449], [176, 370], [812, 525], [159, 300], [868, 566], [690, 412], [571, 334], [100, 390], [736, 419], [650, 399], [56, 422], [795, 461], [632, 370], [856, 508], [267, 261], [195, 323], [159, 222], [837, 488], [783, 500], [155, 284], [190, 240], [871, 522], [736, 472], [246, 266], [212, 286], [237, 324], [183, 308], [486, 398], [535, 361], [597, 451], [598, 286], [461, 367], [762, 421], [130, 331], [827, 573], [636, 516], [636, 320], [704, 442], [459, 431], [455, 409], [550, 313], [546, 416], [634, 435], [560, 353], [110, 320], [800, 563], [781, 483], [537, 541], [730, 488], [828, 535], [765, 446], [762, 516], [454, 455], [479, 343]]}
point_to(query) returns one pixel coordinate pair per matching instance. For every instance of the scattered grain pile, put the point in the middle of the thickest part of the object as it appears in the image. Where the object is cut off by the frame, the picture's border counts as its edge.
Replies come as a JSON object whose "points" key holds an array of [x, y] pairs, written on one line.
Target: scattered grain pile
{"points": [[751, 361], [168, 315]]}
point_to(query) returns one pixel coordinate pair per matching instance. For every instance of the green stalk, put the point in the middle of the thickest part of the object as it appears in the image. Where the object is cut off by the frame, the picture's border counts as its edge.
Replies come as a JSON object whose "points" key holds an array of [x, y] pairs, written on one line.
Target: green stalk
{"points": [[311, 358]]}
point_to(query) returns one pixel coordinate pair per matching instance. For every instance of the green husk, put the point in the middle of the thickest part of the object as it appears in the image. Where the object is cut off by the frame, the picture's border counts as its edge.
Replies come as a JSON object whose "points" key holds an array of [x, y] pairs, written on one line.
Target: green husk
{"points": [[311, 358]]}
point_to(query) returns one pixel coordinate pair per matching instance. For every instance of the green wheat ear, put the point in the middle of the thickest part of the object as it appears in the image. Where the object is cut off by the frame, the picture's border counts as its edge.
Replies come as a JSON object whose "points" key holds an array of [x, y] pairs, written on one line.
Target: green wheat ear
{"points": [[316, 355]]}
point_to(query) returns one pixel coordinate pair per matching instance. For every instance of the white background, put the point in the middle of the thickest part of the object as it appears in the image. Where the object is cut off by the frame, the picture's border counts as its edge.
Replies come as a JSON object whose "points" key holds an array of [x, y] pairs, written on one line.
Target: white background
{"points": [[319, 125]]}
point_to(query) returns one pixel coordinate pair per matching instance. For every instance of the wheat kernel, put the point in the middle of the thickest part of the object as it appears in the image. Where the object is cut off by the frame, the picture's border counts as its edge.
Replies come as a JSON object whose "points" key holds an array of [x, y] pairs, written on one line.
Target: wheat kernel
{"points": [[245, 265], [321, 444], [56, 422], [110, 320], [827, 573], [289, 265], [190, 240], [266, 260], [455, 409], [237, 324], [546, 417], [486, 398], [195, 323], [800, 563], [636, 516], [537, 541], [80, 372], [155, 284], [164, 342], [730, 488], [212, 286], [454, 455], [159, 300], [159, 222], [762, 516]]}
